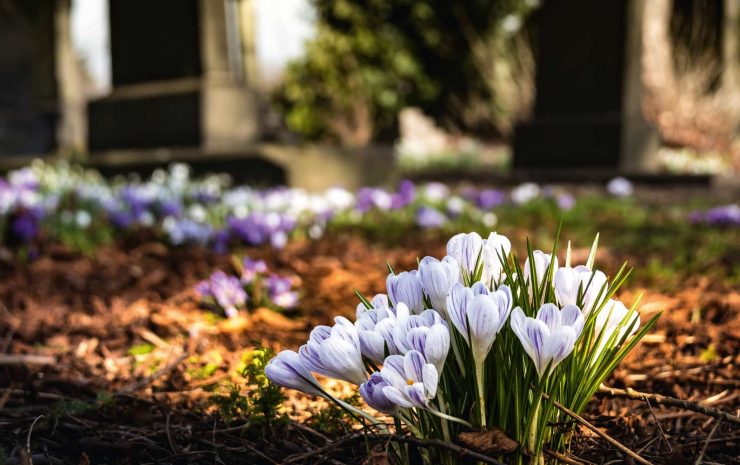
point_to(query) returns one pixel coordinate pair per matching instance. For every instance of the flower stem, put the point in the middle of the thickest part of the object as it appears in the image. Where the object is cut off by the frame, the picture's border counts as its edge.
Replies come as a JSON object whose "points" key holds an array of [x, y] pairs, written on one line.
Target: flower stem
{"points": [[481, 393], [532, 436]]}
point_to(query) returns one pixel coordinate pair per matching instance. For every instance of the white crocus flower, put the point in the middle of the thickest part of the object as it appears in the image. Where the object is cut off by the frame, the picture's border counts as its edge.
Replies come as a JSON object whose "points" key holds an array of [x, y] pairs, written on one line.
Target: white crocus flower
{"points": [[335, 352], [405, 287], [412, 382], [570, 282], [609, 319], [496, 248], [549, 338], [437, 278], [542, 261], [466, 249]]}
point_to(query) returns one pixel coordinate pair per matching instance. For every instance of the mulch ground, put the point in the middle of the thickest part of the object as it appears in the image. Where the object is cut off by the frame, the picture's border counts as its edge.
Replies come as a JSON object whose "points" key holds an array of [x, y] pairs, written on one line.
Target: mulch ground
{"points": [[74, 387]]}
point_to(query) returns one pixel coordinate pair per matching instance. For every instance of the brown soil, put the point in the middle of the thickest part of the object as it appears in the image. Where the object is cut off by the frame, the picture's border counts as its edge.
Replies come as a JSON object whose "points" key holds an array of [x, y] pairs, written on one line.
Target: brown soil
{"points": [[84, 314]]}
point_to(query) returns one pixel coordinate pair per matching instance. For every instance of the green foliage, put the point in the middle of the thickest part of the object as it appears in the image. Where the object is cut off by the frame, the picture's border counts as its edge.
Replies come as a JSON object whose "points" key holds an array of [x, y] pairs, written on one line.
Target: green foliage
{"points": [[231, 405], [141, 349], [261, 406], [348, 87], [370, 58], [333, 419]]}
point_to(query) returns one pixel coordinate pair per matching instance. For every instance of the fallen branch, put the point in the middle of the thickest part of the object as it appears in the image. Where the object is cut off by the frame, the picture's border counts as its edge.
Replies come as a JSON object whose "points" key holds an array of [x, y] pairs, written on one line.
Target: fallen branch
{"points": [[27, 359], [563, 458], [669, 402], [425, 443], [600, 433]]}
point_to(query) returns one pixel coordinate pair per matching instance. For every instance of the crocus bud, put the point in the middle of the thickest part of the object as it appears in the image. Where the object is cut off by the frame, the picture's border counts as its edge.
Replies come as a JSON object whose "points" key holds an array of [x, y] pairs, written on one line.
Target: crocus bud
{"points": [[379, 301], [437, 278], [608, 320], [479, 316], [541, 263], [406, 287], [495, 249], [372, 392], [570, 281], [433, 342], [465, 248], [549, 338], [287, 370], [335, 352]]}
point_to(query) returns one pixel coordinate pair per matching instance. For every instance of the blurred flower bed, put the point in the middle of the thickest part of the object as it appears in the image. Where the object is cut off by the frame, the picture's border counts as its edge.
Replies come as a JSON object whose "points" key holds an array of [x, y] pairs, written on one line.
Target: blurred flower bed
{"points": [[62, 204]]}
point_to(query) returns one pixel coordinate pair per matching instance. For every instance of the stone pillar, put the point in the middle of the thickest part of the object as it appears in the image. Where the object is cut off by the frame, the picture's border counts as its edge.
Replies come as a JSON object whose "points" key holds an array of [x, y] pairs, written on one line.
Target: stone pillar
{"points": [[72, 126], [174, 83], [640, 141], [587, 89]]}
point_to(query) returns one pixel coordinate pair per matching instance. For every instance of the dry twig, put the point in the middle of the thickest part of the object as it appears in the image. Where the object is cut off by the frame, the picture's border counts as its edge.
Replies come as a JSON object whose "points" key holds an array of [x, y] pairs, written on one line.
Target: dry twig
{"points": [[603, 435], [563, 458], [706, 443], [27, 359], [425, 443], [669, 402]]}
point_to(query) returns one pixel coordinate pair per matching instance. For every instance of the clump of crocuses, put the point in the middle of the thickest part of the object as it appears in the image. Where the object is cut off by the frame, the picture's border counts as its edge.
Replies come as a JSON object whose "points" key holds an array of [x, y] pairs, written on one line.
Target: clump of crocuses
{"points": [[254, 286], [478, 339]]}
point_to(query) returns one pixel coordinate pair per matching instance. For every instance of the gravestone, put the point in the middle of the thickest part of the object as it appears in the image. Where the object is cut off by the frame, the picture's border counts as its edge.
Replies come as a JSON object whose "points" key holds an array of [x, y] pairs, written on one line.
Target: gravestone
{"points": [[587, 113], [178, 79], [28, 86]]}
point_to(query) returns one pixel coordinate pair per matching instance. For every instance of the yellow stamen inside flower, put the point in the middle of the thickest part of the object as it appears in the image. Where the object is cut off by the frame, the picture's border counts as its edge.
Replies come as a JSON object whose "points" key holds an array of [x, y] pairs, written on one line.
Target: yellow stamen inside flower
{"points": [[410, 382]]}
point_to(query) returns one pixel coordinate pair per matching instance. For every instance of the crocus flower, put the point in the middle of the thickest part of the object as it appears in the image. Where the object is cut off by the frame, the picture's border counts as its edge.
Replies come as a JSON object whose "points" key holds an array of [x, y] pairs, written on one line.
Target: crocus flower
{"points": [[226, 290], [405, 195], [372, 392], [252, 268], [565, 201], [335, 352], [489, 198], [405, 287], [412, 382], [287, 370], [726, 215], [525, 193], [437, 278], [379, 301], [436, 191], [465, 248], [279, 290], [570, 282], [455, 206], [373, 343], [549, 338], [620, 187], [495, 249], [429, 217], [479, 315], [431, 341], [542, 261], [609, 318]]}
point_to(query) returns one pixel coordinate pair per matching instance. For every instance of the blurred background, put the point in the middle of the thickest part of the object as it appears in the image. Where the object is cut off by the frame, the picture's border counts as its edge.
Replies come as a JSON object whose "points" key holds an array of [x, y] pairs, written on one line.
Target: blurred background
{"points": [[355, 92], [150, 265]]}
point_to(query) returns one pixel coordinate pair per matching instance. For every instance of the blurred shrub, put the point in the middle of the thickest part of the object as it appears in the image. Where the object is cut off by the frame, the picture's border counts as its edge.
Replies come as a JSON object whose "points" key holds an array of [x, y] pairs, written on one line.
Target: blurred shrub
{"points": [[467, 64]]}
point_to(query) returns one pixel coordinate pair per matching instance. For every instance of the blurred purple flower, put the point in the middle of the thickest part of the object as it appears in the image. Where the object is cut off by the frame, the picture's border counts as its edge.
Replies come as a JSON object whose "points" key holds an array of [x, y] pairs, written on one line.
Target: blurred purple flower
{"points": [[566, 201], [26, 224], [279, 289], [226, 290], [489, 198], [724, 215], [405, 195], [429, 218]]}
